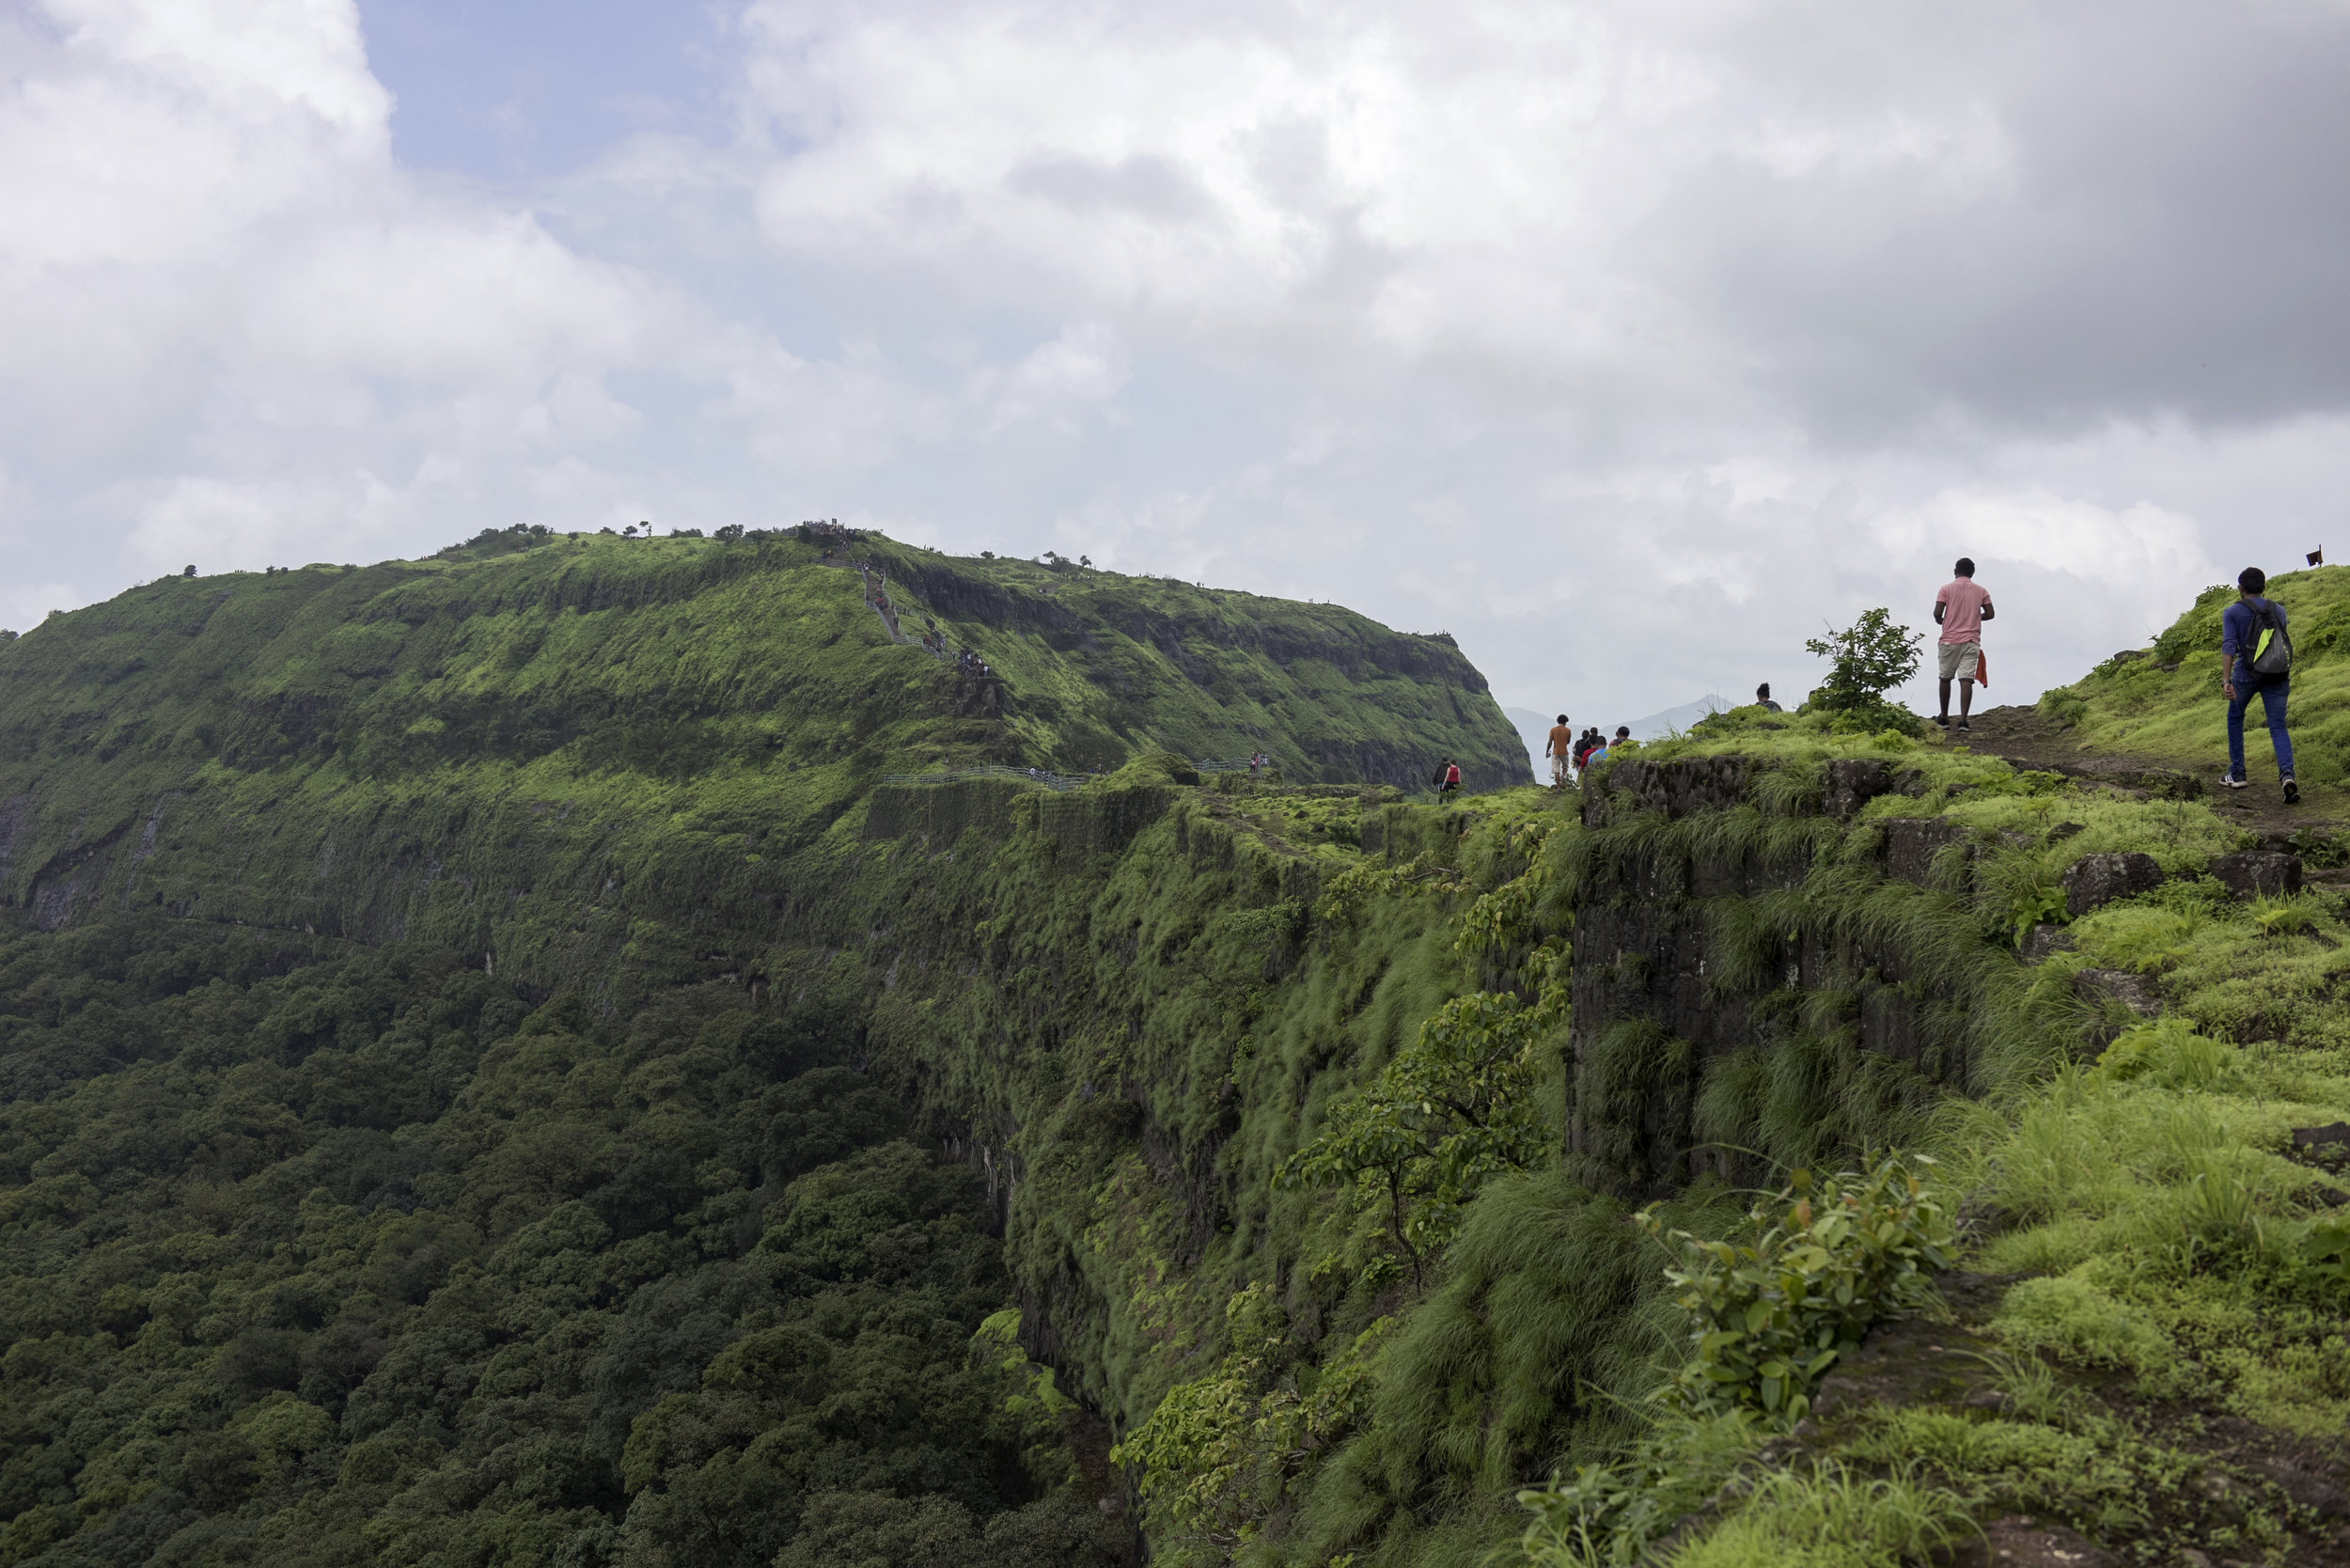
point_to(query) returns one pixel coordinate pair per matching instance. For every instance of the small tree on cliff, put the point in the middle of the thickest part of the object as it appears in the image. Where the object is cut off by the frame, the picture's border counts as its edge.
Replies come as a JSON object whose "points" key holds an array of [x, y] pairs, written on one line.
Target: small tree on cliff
{"points": [[1871, 658]]}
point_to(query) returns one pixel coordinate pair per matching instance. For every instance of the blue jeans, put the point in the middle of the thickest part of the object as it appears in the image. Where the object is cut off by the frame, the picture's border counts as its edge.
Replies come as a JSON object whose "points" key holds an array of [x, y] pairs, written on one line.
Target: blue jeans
{"points": [[2272, 695]]}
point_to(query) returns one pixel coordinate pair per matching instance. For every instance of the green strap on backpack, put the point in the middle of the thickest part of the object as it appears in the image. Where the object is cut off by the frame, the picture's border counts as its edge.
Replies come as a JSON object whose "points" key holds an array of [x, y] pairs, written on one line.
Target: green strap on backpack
{"points": [[2272, 649]]}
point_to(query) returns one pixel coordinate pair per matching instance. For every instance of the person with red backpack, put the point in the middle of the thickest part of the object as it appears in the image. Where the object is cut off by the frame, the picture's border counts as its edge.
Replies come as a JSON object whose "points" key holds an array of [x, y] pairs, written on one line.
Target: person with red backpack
{"points": [[1448, 780], [2256, 655]]}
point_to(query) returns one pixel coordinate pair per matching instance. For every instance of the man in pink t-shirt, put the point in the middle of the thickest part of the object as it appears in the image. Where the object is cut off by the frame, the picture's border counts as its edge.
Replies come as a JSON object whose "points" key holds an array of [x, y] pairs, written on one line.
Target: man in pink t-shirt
{"points": [[1959, 609]]}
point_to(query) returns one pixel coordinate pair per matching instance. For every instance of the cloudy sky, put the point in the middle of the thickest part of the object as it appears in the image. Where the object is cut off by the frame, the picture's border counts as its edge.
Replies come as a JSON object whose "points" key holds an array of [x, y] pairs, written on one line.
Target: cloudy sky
{"points": [[1631, 342]]}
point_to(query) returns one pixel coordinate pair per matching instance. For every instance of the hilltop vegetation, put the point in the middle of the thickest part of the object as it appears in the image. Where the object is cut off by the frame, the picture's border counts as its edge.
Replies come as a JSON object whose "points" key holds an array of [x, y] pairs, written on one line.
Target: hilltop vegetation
{"points": [[1331, 1150], [578, 751]]}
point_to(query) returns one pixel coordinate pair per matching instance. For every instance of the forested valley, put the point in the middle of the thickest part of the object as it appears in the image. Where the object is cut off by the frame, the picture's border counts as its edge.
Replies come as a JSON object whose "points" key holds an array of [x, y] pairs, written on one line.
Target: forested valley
{"points": [[372, 1262]]}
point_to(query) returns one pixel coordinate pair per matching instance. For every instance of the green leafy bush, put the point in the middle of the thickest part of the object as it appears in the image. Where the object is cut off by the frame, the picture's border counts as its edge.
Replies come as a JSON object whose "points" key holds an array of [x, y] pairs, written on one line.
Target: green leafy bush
{"points": [[1459, 1105], [1217, 1454], [1870, 657], [1769, 1315], [1455, 1109]]}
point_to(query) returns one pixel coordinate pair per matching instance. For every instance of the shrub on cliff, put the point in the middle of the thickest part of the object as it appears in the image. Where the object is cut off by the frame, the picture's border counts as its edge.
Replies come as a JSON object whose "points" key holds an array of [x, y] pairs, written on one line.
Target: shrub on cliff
{"points": [[1771, 1312], [1871, 657]]}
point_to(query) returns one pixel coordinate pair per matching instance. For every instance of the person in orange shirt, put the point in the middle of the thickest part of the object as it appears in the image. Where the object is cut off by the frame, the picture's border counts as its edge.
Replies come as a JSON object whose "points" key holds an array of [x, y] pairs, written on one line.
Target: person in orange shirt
{"points": [[1959, 609], [1562, 754]]}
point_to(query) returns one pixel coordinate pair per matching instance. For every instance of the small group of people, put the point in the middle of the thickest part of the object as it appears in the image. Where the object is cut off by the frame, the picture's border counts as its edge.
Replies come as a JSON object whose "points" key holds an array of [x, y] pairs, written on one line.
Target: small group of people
{"points": [[1594, 747], [1569, 754], [1258, 762]]}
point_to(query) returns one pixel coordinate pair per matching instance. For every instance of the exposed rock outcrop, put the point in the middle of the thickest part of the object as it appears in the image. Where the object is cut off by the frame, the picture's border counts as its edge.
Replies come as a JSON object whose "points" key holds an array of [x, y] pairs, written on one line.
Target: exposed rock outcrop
{"points": [[2257, 873], [2094, 880]]}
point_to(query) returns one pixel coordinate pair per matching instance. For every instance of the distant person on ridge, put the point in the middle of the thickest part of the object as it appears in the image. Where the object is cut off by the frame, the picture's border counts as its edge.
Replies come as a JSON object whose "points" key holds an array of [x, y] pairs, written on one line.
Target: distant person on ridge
{"points": [[1959, 609], [1448, 780], [2256, 655], [1763, 700], [1562, 754]]}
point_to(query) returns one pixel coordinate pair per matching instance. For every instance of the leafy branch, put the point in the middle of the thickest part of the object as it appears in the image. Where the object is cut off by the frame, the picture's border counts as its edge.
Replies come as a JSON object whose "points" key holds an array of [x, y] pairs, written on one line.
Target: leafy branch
{"points": [[1218, 1452]]}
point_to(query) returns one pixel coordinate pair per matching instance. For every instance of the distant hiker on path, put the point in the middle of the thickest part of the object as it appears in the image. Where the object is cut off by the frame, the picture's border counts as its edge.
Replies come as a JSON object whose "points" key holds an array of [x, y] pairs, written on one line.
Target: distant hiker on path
{"points": [[1763, 700], [1560, 752], [1959, 609], [1448, 780], [2256, 655]]}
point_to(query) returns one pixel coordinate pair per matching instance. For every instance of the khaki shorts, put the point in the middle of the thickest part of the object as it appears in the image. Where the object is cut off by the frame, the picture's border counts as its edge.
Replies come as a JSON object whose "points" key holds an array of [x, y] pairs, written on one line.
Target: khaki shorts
{"points": [[1960, 660], [1561, 771]]}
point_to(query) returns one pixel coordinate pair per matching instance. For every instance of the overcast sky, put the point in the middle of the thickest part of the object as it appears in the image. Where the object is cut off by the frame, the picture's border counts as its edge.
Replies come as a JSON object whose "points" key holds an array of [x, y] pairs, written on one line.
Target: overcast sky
{"points": [[1629, 342]]}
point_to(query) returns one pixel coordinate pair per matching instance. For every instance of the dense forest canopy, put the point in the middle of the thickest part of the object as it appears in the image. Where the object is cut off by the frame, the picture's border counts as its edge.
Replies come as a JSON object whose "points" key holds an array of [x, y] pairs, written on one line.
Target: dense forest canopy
{"points": [[321, 1255]]}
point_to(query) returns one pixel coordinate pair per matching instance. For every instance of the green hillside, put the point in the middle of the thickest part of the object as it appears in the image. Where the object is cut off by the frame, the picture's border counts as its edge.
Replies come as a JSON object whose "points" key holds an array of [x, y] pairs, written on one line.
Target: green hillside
{"points": [[655, 1156], [2163, 701], [558, 751]]}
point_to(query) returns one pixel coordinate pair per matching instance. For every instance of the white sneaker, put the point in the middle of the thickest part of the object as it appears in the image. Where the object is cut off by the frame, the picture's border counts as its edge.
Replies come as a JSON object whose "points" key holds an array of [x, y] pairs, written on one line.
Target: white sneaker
{"points": [[2230, 781]]}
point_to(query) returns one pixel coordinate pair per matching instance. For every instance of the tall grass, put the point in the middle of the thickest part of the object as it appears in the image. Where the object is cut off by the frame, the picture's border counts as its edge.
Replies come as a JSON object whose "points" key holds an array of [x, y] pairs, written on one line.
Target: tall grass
{"points": [[1831, 1516]]}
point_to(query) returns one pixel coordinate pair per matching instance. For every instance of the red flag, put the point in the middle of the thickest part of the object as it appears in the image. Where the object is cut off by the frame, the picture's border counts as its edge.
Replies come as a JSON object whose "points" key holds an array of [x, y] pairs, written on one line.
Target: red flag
{"points": [[1982, 667]]}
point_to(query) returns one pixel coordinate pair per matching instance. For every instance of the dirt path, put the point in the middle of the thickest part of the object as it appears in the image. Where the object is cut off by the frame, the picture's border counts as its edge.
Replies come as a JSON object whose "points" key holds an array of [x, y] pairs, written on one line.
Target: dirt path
{"points": [[2021, 736]]}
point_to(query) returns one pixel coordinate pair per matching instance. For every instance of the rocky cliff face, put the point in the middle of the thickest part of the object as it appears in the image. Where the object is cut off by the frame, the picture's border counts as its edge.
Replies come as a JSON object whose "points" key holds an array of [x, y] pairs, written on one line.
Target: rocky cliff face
{"points": [[1699, 952]]}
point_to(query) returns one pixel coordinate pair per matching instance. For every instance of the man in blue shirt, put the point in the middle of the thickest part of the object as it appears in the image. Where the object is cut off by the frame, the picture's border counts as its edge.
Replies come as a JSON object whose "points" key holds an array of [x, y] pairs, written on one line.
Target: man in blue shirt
{"points": [[2239, 644]]}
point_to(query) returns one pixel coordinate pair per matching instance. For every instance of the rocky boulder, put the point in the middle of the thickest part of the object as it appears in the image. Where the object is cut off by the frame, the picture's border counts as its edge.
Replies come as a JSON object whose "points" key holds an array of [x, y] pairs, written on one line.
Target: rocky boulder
{"points": [[2043, 942], [2257, 873], [1676, 788], [1852, 783], [1911, 844], [2123, 998], [2094, 880]]}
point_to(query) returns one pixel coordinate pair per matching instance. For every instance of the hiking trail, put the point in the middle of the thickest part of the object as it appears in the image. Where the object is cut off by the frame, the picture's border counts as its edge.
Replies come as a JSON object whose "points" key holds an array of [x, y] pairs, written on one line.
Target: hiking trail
{"points": [[2026, 737]]}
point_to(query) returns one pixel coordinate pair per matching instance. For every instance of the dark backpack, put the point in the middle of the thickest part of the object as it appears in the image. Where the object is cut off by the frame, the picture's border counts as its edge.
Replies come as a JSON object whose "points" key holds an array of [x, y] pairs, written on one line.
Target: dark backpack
{"points": [[2272, 647]]}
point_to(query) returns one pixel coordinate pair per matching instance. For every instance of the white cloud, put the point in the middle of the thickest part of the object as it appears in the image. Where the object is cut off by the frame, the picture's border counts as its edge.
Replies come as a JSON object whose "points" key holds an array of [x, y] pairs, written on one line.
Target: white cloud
{"points": [[1550, 326]]}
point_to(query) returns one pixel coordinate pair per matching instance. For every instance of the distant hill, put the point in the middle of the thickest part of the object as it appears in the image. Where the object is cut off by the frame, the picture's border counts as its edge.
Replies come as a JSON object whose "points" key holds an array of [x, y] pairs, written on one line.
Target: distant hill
{"points": [[472, 747]]}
